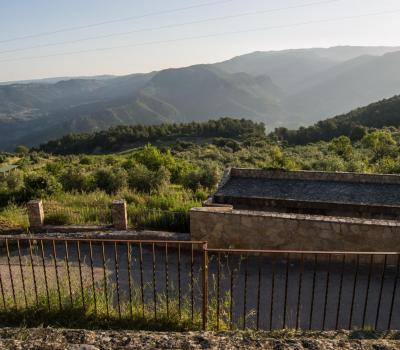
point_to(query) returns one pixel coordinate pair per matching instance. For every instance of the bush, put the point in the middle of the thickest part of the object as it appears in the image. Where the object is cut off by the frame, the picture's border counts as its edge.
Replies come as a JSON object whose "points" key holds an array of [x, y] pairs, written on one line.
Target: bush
{"points": [[40, 186], [144, 180], [207, 177], [110, 180], [153, 159], [76, 180]]}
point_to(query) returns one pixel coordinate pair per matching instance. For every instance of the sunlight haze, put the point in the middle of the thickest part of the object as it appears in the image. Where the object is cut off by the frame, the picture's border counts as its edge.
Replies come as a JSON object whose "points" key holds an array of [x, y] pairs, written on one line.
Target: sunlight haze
{"points": [[285, 26]]}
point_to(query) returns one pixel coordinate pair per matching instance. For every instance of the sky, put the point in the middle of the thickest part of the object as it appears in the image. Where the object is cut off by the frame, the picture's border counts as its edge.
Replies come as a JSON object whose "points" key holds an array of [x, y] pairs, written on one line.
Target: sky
{"points": [[56, 38]]}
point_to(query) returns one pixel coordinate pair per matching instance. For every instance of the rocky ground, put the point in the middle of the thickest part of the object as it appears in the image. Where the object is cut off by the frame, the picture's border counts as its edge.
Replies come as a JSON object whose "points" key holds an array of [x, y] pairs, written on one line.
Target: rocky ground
{"points": [[50, 338]]}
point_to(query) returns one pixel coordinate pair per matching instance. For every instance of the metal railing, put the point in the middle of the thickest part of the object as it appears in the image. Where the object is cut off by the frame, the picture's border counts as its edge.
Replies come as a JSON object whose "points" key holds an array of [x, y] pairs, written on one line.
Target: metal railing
{"points": [[187, 282]]}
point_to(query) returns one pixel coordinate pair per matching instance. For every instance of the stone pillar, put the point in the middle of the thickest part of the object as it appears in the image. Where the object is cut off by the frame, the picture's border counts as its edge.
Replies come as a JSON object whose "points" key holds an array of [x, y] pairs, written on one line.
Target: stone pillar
{"points": [[119, 214], [35, 213]]}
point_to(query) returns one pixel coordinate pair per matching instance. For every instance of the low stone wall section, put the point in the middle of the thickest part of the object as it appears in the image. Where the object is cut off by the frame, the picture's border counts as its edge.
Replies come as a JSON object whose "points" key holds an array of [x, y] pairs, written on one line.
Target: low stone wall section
{"points": [[227, 228], [315, 175]]}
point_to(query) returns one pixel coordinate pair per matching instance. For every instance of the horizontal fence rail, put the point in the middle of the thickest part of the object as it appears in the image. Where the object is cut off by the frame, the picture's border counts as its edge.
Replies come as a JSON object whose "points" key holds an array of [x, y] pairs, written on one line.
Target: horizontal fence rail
{"points": [[185, 284]]}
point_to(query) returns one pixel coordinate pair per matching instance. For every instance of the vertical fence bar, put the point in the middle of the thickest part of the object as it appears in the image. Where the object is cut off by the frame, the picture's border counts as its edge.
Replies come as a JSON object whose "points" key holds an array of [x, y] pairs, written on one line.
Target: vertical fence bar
{"points": [[92, 273], [271, 309], [45, 275], [378, 308], [367, 292], [218, 287], [313, 291], [191, 283], [326, 290], [205, 285], [166, 280], [258, 296], [179, 281], [2, 293], [103, 253], [129, 262], [11, 274], [116, 269], [299, 291], [68, 272], [340, 291], [154, 282], [354, 291], [394, 292], [245, 292], [33, 272], [78, 247], [286, 289], [56, 273], [141, 276], [231, 297], [22, 273]]}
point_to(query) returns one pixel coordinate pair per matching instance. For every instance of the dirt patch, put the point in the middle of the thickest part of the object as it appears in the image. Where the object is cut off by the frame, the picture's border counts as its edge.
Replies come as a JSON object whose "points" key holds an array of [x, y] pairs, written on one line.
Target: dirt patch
{"points": [[48, 338]]}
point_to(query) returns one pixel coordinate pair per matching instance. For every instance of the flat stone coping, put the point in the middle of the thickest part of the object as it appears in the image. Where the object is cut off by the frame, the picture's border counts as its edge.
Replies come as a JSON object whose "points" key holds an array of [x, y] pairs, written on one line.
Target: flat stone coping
{"points": [[131, 235], [293, 216], [335, 192]]}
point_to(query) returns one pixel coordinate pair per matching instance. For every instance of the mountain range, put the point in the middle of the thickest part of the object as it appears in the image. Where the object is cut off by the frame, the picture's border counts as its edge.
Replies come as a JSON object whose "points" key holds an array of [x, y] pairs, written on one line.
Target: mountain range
{"points": [[280, 88]]}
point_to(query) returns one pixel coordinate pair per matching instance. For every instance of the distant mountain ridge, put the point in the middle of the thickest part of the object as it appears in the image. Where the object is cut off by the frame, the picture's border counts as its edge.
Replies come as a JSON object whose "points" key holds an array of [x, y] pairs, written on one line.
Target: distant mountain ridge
{"points": [[280, 88]]}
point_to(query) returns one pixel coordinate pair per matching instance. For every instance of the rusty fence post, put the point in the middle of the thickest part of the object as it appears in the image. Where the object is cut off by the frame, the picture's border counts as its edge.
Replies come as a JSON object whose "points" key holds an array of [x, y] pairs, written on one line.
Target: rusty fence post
{"points": [[205, 285]]}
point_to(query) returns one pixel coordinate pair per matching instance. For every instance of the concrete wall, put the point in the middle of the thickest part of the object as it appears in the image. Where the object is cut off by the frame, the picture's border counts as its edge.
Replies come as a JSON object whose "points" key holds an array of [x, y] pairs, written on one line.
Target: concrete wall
{"points": [[224, 227]]}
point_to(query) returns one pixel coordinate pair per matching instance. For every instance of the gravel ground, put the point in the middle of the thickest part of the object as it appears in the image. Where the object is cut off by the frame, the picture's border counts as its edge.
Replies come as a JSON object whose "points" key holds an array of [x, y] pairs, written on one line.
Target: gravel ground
{"points": [[49, 338]]}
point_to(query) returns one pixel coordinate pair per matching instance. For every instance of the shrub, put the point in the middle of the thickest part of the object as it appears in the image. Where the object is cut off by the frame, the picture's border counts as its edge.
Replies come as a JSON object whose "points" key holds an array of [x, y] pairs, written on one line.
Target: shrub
{"points": [[153, 159], [76, 179], [144, 180], [21, 149], [207, 177], [110, 180], [40, 186]]}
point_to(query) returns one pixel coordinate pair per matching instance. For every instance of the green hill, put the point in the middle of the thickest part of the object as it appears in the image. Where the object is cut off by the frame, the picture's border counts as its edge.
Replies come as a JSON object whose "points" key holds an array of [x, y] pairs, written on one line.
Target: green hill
{"points": [[385, 113], [122, 137]]}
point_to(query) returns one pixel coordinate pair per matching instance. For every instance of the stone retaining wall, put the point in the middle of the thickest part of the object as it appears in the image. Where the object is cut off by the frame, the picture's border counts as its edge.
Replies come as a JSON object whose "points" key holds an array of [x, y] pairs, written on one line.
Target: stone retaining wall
{"points": [[227, 228]]}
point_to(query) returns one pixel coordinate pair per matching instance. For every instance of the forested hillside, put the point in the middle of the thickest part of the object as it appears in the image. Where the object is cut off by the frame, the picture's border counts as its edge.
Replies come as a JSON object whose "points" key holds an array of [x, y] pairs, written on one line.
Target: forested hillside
{"points": [[122, 137], [385, 113]]}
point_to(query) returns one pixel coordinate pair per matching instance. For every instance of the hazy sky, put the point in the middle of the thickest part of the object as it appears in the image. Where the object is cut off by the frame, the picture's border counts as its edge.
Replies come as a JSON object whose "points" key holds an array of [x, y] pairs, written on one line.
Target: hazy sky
{"points": [[168, 46]]}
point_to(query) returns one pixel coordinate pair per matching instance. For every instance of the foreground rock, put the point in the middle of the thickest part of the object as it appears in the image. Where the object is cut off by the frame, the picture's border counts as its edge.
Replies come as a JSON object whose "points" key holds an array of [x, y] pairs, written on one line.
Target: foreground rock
{"points": [[49, 338]]}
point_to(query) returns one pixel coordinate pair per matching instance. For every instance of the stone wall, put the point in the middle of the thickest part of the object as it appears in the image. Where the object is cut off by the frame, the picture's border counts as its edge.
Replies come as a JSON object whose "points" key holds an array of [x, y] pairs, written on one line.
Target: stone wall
{"points": [[315, 175], [227, 228]]}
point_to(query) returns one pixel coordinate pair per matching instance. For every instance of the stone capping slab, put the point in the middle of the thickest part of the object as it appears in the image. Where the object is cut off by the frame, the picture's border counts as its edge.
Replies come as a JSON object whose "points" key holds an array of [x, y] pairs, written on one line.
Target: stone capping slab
{"points": [[307, 203], [315, 175], [304, 217], [129, 235]]}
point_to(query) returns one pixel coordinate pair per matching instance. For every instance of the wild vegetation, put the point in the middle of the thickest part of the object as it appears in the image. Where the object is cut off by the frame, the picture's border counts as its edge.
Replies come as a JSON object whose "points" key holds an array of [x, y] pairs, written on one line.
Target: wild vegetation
{"points": [[160, 183]]}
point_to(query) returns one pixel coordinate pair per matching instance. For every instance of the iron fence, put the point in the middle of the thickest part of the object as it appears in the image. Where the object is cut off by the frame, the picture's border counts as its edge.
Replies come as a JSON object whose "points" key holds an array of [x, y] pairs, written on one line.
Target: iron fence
{"points": [[185, 281]]}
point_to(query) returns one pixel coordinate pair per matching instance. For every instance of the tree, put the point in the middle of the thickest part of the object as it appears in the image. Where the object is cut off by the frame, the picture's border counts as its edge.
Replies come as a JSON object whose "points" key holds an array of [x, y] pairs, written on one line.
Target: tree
{"points": [[40, 186], [341, 146], [76, 179], [110, 180], [381, 142], [144, 180], [22, 150]]}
